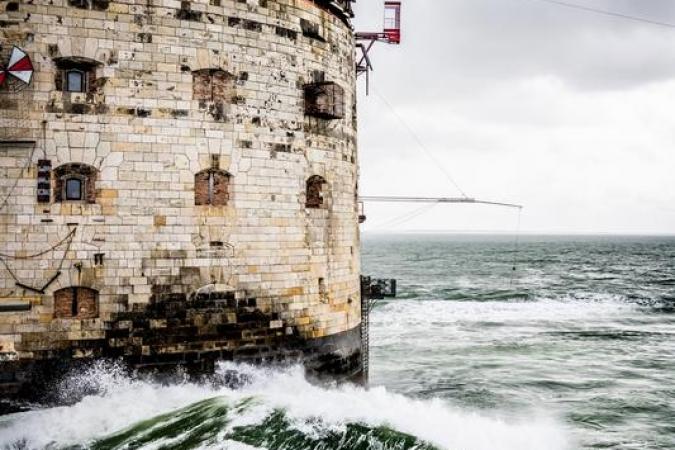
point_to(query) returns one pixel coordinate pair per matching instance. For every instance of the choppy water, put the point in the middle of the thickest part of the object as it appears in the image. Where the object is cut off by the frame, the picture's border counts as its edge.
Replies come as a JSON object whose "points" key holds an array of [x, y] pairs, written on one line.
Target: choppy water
{"points": [[271, 410], [574, 349], [583, 329]]}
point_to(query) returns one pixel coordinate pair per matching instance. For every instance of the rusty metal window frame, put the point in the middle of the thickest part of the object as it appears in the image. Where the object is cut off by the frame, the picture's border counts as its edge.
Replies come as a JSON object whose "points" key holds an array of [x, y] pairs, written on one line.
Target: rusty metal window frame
{"points": [[325, 100], [209, 74], [211, 187], [98, 5], [75, 301]]}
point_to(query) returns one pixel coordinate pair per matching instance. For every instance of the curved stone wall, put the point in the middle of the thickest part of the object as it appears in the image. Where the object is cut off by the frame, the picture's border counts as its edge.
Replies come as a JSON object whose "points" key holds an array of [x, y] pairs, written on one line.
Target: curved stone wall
{"points": [[180, 101]]}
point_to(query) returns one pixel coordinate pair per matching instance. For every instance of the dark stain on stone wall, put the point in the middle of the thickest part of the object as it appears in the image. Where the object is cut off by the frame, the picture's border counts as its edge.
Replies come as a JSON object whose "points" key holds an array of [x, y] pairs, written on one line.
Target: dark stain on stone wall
{"points": [[174, 329]]}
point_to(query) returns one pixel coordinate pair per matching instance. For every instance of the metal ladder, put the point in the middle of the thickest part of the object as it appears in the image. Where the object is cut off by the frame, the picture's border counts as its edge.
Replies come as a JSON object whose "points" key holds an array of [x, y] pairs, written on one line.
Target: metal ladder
{"points": [[365, 336]]}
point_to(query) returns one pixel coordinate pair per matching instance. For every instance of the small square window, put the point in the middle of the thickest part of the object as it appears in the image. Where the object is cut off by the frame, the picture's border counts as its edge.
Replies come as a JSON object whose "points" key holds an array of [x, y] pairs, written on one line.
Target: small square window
{"points": [[324, 100], [212, 187], [73, 189]]}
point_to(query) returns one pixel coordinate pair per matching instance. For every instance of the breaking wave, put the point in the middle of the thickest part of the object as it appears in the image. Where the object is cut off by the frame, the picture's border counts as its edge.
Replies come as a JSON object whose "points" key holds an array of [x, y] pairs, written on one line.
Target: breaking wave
{"points": [[269, 409]]}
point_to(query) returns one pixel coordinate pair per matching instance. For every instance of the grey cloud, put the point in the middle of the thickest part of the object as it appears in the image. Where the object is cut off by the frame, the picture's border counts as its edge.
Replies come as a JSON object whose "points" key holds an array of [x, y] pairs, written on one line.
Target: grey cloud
{"points": [[565, 111], [456, 47]]}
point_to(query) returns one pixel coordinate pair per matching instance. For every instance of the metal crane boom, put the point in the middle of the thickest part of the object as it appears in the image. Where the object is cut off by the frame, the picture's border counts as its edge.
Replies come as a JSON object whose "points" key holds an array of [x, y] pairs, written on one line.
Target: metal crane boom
{"points": [[383, 199]]}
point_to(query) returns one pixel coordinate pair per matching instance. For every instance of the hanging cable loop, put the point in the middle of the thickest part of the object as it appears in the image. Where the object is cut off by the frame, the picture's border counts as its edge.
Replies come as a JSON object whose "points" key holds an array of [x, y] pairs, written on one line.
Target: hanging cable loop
{"points": [[69, 236]]}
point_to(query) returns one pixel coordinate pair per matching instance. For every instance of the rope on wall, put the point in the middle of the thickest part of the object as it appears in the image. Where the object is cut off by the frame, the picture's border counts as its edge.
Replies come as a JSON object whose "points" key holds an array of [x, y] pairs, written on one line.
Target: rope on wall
{"points": [[68, 240], [69, 237]]}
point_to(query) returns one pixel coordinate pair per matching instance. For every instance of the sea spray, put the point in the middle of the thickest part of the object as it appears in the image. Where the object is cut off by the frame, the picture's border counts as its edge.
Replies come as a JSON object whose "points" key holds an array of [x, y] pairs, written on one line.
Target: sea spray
{"points": [[275, 409]]}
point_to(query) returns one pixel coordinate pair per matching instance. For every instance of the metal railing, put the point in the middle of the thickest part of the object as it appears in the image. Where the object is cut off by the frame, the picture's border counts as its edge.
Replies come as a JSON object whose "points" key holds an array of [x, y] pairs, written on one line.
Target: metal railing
{"points": [[371, 291]]}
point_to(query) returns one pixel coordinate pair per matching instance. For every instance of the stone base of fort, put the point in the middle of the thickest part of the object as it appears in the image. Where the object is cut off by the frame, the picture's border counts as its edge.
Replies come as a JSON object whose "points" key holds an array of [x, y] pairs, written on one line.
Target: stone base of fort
{"points": [[37, 381]]}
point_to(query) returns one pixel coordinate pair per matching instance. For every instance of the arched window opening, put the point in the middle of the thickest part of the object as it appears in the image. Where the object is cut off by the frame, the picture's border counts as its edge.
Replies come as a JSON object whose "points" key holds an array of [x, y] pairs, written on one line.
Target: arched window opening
{"points": [[75, 182], [315, 194], [76, 302], [212, 187]]}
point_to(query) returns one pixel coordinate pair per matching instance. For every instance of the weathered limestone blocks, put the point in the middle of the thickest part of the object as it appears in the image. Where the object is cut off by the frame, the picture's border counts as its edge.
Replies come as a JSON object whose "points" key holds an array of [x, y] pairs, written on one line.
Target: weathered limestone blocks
{"points": [[177, 144]]}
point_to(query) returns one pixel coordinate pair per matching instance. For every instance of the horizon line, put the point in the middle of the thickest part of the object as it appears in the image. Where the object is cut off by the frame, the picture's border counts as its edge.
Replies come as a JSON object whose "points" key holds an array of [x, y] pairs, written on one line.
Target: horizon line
{"points": [[525, 233]]}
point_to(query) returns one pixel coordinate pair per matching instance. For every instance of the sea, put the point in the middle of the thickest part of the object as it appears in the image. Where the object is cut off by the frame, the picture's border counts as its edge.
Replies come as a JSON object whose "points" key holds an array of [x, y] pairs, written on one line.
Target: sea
{"points": [[493, 343]]}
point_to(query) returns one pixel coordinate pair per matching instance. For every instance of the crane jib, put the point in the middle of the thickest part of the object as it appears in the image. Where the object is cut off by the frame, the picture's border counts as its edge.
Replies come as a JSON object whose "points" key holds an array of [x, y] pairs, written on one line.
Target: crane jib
{"points": [[385, 199]]}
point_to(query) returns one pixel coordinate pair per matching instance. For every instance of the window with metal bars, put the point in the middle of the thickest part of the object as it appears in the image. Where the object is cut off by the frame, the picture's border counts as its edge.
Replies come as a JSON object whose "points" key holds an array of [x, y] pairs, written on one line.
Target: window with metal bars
{"points": [[212, 85], [212, 187], [324, 100], [76, 302], [99, 5]]}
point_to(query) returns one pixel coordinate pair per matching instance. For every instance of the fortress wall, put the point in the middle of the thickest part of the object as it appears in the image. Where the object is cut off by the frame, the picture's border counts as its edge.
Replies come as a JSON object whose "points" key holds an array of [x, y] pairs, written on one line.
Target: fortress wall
{"points": [[174, 89]]}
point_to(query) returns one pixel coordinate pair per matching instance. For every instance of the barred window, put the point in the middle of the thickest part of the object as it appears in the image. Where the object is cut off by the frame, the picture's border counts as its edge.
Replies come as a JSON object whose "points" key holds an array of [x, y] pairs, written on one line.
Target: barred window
{"points": [[324, 100], [76, 302], [212, 85], [312, 30], [99, 5], [212, 187]]}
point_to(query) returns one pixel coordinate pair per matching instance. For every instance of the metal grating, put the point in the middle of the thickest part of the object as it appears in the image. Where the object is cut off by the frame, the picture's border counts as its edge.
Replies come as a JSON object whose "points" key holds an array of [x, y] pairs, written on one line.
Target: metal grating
{"points": [[44, 181], [325, 100]]}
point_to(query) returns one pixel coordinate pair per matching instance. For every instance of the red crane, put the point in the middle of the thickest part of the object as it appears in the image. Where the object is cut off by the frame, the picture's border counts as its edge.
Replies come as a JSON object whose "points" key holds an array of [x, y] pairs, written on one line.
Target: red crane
{"points": [[391, 34]]}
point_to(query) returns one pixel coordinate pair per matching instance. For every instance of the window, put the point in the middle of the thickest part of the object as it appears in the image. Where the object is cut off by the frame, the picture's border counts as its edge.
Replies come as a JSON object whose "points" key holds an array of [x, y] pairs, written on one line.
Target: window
{"points": [[324, 100], [100, 5], [76, 303], [186, 13], [98, 259], [75, 81], [314, 192], [76, 74], [311, 30], [212, 187], [75, 182], [73, 189], [212, 85]]}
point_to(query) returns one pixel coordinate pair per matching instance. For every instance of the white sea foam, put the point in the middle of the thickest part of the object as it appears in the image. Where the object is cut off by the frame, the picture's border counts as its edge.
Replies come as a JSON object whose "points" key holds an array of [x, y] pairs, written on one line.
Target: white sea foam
{"points": [[124, 402], [581, 307]]}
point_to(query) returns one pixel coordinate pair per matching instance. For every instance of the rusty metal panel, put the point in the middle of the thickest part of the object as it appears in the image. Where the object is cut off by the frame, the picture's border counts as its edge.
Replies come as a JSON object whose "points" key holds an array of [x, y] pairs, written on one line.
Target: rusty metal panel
{"points": [[324, 100], [44, 181]]}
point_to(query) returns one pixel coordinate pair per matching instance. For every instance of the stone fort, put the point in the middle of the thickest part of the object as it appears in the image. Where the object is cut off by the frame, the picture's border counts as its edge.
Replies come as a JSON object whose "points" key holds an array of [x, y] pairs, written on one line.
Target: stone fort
{"points": [[178, 185]]}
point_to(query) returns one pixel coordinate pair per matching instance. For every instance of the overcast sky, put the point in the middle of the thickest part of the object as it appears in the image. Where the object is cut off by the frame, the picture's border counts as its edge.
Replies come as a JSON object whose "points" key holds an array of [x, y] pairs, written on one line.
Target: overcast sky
{"points": [[570, 113]]}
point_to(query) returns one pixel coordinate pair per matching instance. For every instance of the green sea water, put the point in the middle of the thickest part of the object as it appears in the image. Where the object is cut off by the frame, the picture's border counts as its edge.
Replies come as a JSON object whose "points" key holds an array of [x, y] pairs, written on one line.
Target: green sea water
{"points": [[583, 328]]}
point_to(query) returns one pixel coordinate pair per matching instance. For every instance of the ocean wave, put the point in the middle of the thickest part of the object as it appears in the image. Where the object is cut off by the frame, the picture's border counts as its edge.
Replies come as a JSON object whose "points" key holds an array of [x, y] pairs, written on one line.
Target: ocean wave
{"points": [[271, 409], [581, 306]]}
